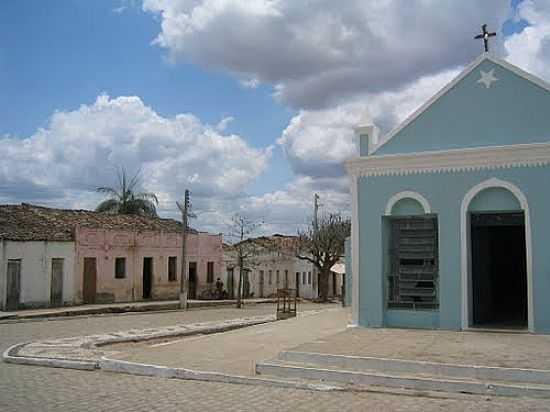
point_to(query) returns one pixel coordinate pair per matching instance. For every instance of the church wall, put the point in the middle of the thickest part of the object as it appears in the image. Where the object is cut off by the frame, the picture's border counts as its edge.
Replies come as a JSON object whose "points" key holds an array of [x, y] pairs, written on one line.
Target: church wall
{"points": [[471, 115], [444, 192]]}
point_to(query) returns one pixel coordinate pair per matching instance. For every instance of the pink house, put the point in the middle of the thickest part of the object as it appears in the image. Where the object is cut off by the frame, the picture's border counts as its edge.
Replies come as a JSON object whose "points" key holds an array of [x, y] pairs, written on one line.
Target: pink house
{"points": [[56, 257], [116, 265]]}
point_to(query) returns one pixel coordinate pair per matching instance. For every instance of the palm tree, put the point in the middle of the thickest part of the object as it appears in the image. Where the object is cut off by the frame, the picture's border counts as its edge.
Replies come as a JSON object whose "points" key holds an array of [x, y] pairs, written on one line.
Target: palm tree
{"points": [[125, 201]]}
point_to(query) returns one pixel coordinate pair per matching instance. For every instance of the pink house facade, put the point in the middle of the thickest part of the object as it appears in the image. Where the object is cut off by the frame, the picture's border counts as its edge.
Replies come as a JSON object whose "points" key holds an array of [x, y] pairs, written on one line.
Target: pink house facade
{"points": [[125, 266]]}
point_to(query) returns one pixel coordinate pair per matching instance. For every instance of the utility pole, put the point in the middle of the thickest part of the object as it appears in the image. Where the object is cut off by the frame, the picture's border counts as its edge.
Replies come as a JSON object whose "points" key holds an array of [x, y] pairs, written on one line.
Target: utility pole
{"points": [[184, 209], [316, 212]]}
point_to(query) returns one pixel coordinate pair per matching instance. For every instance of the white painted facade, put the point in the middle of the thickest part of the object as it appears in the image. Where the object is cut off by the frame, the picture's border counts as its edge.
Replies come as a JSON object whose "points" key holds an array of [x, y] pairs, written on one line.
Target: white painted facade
{"points": [[36, 270]]}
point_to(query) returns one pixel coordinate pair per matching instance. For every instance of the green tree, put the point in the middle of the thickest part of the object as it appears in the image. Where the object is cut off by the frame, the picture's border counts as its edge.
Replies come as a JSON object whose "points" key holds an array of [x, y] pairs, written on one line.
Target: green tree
{"points": [[124, 200]]}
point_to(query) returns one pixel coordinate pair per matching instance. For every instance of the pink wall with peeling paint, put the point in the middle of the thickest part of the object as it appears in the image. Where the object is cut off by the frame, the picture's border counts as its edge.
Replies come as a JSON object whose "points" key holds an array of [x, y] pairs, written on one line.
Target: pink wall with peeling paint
{"points": [[106, 245]]}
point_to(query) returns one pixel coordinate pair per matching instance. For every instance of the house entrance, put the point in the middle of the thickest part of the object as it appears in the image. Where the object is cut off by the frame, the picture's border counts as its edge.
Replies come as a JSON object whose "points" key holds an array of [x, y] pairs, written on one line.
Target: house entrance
{"points": [[147, 277], [192, 280], [89, 281], [499, 270], [14, 284]]}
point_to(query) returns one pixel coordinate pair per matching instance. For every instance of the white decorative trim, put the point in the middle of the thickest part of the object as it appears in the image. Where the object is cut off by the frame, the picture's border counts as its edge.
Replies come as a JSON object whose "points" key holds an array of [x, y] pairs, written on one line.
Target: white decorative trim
{"points": [[455, 160], [355, 267], [408, 195], [480, 59], [465, 249]]}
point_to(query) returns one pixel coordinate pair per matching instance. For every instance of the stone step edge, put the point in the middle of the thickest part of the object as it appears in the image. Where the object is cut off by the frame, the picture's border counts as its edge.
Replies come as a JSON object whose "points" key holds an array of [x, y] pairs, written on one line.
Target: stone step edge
{"points": [[408, 382], [476, 372]]}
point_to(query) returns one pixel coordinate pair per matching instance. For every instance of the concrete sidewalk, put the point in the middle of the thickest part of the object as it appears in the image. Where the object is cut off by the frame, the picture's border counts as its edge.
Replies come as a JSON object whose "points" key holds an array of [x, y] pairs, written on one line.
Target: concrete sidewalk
{"points": [[509, 350], [238, 351], [119, 308]]}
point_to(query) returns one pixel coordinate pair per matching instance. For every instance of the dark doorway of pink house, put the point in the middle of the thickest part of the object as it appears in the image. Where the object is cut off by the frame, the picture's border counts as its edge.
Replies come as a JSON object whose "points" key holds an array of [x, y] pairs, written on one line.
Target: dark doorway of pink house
{"points": [[147, 277]]}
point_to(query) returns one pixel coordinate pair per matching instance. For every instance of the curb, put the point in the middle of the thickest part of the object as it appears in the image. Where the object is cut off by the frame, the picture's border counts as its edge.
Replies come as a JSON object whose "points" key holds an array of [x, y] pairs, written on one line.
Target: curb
{"points": [[10, 356], [142, 369], [118, 310]]}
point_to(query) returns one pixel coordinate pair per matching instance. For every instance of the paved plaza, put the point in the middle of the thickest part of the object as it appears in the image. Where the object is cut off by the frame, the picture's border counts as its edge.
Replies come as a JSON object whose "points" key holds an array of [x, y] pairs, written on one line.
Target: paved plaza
{"points": [[24, 388]]}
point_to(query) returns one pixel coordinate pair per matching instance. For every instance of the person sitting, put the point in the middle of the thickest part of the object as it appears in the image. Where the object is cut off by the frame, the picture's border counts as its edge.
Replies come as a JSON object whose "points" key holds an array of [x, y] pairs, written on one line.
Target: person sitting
{"points": [[219, 288]]}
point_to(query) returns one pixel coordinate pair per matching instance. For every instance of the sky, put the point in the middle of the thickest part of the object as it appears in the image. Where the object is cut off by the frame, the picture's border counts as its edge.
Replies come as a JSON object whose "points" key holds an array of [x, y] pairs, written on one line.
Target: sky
{"points": [[249, 104]]}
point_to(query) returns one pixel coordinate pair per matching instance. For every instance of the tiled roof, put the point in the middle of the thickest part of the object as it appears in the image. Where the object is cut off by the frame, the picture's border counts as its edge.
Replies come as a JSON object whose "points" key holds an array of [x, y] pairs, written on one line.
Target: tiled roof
{"points": [[276, 242], [29, 222]]}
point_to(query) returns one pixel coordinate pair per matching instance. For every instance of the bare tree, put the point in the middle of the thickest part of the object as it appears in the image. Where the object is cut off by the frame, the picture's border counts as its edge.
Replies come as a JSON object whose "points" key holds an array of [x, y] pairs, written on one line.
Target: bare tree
{"points": [[322, 244], [245, 249]]}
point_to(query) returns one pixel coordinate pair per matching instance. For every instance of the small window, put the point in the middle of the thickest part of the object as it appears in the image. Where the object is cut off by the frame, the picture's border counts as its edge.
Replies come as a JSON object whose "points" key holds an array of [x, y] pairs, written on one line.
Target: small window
{"points": [[120, 268], [270, 277], [210, 272], [309, 278], [172, 268], [277, 278], [304, 278]]}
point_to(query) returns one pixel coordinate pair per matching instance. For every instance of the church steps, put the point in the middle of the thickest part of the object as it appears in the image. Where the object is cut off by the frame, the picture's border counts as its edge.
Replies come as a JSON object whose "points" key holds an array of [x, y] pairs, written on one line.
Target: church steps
{"points": [[359, 363], [415, 375]]}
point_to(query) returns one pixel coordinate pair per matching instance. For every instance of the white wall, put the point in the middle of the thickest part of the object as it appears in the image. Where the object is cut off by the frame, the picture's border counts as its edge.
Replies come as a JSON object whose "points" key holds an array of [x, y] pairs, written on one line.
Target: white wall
{"points": [[36, 267]]}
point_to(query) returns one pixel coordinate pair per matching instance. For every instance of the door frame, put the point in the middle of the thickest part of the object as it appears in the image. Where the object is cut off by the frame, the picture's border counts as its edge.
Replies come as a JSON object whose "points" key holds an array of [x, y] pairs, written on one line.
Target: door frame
{"points": [[466, 253]]}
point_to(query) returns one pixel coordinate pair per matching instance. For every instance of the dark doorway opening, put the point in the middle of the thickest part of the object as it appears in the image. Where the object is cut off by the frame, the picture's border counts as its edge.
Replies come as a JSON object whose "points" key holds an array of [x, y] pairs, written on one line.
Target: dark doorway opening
{"points": [[297, 284], [499, 270], [147, 277], [192, 280], [14, 284]]}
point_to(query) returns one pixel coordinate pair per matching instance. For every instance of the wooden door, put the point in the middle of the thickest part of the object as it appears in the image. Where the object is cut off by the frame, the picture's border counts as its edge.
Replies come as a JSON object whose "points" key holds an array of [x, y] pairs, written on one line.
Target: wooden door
{"points": [[90, 280], [56, 288], [14, 284]]}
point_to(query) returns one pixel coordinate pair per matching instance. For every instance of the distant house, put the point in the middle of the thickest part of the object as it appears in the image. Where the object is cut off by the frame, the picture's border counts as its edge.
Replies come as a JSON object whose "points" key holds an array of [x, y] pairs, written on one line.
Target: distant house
{"points": [[274, 266], [54, 257]]}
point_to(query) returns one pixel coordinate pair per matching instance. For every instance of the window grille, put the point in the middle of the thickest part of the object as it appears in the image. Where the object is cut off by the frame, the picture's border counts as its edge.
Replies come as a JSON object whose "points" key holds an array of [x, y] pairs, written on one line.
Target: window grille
{"points": [[414, 266], [120, 268]]}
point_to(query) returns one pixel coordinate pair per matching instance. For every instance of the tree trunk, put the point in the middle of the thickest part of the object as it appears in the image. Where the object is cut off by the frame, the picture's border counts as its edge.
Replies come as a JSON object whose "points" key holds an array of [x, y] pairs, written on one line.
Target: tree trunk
{"points": [[323, 285], [239, 289]]}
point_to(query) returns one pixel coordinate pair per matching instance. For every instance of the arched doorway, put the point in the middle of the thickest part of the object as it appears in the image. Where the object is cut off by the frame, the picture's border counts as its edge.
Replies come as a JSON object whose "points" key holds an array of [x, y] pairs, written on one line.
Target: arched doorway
{"points": [[496, 257]]}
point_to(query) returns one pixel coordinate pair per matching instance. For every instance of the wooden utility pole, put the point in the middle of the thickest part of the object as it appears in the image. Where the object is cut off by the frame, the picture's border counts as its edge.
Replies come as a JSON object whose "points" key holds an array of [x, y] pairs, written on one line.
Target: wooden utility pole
{"points": [[184, 282]]}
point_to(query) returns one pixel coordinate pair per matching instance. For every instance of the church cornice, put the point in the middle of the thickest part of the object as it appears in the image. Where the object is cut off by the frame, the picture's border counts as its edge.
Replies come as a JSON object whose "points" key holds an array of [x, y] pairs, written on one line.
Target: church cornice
{"points": [[451, 161]]}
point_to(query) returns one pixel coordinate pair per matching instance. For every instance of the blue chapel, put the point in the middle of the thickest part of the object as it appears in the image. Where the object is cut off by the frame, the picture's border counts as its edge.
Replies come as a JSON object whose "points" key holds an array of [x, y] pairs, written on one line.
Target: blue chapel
{"points": [[451, 210]]}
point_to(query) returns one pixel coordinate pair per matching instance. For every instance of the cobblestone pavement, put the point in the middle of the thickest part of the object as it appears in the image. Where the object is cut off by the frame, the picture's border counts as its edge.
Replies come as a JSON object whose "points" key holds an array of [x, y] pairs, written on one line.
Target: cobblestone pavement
{"points": [[26, 388]]}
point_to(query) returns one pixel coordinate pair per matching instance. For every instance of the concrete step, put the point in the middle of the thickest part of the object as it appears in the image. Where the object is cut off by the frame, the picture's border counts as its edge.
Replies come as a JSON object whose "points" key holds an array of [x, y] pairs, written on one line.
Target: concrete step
{"points": [[414, 367], [420, 381]]}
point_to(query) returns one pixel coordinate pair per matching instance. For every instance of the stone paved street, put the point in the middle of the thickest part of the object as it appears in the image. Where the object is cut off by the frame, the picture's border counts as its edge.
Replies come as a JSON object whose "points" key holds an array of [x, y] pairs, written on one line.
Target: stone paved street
{"points": [[26, 388]]}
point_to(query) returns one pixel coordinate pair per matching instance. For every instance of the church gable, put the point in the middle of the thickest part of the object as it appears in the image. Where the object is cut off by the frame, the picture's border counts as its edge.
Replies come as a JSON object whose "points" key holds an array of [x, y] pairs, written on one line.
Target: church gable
{"points": [[491, 104]]}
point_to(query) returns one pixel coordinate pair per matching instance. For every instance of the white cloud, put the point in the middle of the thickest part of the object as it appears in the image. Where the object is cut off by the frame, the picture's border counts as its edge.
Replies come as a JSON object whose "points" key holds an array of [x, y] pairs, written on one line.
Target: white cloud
{"points": [[79, 150], [530, 49], [320, 52], [317, 142]]}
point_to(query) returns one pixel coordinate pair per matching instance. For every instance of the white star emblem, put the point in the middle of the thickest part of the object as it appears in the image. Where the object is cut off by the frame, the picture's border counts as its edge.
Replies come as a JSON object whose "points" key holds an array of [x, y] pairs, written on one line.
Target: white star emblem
{"points": [[487, 78]]}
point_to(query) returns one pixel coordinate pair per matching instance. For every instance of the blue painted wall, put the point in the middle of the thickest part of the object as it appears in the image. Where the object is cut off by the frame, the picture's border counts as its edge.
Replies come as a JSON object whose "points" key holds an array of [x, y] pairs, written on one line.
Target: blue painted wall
{"points": [[444, 192], [470, 115]]}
